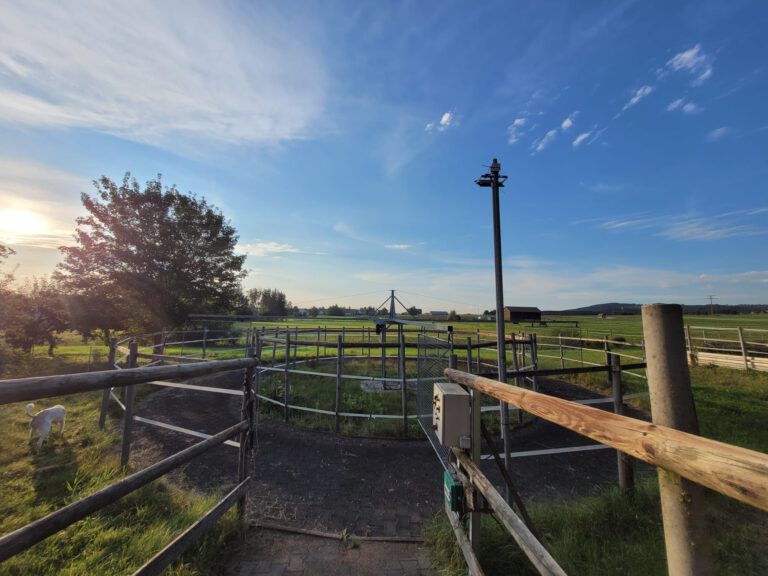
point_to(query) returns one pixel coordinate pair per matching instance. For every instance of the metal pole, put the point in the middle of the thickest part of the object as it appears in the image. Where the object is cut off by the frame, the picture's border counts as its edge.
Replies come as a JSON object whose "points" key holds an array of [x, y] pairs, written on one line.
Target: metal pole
{"points": [[669, 384], [496, 181]]}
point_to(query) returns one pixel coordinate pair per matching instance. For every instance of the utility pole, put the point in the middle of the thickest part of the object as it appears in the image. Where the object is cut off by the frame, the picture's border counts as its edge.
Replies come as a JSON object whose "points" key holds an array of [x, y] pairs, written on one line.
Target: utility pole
{"points": [[494, 180], [711, 306]]}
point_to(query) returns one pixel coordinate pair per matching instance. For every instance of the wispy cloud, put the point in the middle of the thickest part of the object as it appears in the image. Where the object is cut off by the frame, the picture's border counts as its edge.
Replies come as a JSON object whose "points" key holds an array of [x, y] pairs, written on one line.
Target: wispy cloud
{"points": [[567, 124], [579, 140], [265, 249], [718, 134], [516, 130], [694, 61], [398, 246], [447, 120], [127, 69], [692, 226], [685, 106], [540, 144], [39, 204], [637, 96]]}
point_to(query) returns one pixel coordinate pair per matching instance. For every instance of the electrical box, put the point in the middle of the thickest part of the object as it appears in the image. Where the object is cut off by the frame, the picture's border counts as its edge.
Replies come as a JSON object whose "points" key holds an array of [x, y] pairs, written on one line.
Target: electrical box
{"points": [[454, 492], [451, 415]]}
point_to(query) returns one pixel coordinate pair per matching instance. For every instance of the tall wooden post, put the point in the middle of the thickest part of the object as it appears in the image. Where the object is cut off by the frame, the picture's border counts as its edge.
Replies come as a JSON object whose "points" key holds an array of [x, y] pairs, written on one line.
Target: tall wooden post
{"points": [[743, 347], [245, 436], [286, 362], [383, 340], [339, 361], [691, 351], [682, 501], [403, 379], [105, 393], [125, 449], [624, 462]]}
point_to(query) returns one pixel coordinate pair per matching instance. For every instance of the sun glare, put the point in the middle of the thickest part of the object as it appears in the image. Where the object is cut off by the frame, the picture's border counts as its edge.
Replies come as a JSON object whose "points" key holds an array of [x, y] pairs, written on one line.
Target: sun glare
{"points": [[20, 223]]}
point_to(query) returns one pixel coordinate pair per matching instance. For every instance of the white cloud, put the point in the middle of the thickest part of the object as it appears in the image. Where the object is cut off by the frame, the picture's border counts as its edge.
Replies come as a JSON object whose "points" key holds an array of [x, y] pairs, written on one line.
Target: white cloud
{"points": [[580, 139], [687, 107], [718, 134], [693, 61], [45, 197], [544, 141], [693, 226], [447, 120], [637, 96], [160, 73], [398, 246], [262, 249], [568, 122], [516, 130]]}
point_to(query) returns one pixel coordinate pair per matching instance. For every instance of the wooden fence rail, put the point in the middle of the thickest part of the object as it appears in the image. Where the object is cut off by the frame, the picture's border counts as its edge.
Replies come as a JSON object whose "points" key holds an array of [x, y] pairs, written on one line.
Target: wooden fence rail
{"points": [[22, 389], [736, 472]]}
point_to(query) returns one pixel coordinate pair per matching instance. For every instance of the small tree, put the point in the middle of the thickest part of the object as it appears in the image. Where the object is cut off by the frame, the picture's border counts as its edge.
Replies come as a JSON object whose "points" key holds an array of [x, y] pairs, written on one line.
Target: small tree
{"points": [[334, 310], [152, 256], [34, 315]]}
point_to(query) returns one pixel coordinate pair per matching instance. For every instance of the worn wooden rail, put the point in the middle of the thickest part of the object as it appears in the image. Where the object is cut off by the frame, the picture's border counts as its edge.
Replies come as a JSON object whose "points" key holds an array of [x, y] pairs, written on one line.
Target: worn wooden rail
{"points": [[736, 472], [22, 389]]}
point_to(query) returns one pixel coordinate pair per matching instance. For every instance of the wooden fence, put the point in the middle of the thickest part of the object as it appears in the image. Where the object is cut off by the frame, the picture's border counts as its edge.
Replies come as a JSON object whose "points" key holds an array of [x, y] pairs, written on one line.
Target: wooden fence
{"points": [[738, 348], [685, 460], [24, 389]]}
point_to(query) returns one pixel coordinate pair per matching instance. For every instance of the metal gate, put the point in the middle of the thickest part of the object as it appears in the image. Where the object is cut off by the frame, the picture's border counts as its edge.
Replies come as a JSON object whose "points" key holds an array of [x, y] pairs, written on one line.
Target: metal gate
{"points": [[433, 358]]}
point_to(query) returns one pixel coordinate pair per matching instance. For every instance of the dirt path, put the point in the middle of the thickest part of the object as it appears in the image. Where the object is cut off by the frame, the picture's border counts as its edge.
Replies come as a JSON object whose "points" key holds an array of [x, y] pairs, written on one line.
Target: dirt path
{"points": [[366, 487]]}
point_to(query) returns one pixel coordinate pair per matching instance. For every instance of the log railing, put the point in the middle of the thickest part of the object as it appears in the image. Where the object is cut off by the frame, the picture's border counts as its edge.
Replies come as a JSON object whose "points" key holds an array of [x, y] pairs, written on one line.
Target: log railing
{"points": [[22, 389]]}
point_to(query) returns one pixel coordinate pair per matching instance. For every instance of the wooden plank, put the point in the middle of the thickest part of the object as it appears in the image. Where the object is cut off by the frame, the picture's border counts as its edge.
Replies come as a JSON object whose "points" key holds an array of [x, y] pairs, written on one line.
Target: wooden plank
{"points": [[464, 545], [736, 472], [34, 532], [531, 547], [23, 389], [186, 539]]}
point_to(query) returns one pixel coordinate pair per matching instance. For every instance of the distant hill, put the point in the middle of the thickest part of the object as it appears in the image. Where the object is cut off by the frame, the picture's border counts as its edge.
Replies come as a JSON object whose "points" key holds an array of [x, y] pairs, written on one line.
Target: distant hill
{"points": [[620, 309]]}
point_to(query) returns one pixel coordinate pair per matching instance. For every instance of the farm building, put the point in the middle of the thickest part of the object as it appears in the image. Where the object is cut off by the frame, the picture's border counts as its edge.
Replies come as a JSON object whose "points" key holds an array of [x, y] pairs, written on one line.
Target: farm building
{"points": [[517, 314]]}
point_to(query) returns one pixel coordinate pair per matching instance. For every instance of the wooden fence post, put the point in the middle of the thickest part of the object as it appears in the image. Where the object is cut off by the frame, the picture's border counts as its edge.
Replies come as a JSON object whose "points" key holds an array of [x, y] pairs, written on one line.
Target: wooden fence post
{"points": [[624, 462], [383, 340], [257, 371], [403, 379], [476, 451], [535, 360], [286, 362], [317, 346], [691, 351], [125, 449], [562, 358], [245, 436], [339, 361], [469, 354], [205, 341], [608, 355], [743, 347], [682, 501], [105, 393]]}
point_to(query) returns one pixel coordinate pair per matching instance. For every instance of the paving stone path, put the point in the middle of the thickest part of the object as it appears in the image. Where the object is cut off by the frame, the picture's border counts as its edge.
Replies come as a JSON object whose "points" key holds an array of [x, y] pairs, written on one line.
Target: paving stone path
{"points": [[367, 487]]}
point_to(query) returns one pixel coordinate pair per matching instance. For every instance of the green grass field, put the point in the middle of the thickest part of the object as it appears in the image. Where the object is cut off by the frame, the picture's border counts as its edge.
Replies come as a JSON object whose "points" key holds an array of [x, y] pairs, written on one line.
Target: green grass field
{"points": [[120, 538]]}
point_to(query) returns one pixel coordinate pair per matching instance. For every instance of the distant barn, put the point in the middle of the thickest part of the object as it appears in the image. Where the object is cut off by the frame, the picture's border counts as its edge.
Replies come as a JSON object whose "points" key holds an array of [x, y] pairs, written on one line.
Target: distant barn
{"points": [[517, 314]]}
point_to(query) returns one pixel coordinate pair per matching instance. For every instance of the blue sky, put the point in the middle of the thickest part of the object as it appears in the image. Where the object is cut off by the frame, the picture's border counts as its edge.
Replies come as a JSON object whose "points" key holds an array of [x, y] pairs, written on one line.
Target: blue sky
{"points": [[342, 139]]}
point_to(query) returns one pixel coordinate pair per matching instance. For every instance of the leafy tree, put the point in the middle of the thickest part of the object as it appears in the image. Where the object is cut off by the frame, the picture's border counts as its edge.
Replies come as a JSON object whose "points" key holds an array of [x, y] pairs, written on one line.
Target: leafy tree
{"points": [[268, 302], [413, 311], [5, 278], [34, 315], [453, 316], [368, 310], [334, 310], [314, 311], [151, 256]]}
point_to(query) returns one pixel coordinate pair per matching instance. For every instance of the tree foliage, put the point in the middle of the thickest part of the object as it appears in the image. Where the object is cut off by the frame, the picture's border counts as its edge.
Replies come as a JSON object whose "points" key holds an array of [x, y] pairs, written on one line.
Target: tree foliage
{"points": [[334, 310], [149, 257], [34, 314], [268, 302]]}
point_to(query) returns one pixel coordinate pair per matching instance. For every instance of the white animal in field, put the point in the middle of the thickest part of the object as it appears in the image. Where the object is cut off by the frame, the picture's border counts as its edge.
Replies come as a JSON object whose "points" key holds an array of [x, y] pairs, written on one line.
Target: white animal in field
{"points": [[44, 420]]}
